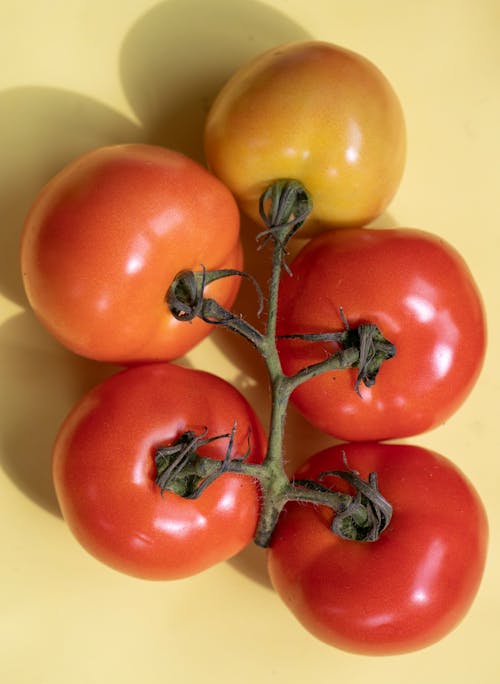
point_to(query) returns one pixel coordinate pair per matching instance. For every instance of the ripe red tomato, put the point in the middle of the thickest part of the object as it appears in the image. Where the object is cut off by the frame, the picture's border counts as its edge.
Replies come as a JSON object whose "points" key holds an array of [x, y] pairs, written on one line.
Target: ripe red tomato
{"points": [[316, 113], [402, 592], [104, 472], [104, 240], [418, 290]]}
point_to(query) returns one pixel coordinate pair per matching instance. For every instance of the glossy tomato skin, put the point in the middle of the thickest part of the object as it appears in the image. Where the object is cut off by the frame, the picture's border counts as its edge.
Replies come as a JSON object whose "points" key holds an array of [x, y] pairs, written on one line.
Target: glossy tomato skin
{"points": [[104, 240], [404, 591], [418, 290], [317, 113], [104, 471]]}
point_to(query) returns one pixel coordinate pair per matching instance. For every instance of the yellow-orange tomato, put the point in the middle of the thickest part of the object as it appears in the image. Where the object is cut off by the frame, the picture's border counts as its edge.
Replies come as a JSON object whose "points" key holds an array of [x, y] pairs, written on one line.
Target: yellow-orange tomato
{"points": [[317, 113]]}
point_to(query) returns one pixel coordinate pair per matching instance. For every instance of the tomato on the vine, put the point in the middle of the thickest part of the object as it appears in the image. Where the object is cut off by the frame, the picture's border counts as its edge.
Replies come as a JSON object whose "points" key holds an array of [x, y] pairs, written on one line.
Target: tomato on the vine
{"points": [[104, 471], [402, 592], [421, 295], [104, 240], [319, 114]]}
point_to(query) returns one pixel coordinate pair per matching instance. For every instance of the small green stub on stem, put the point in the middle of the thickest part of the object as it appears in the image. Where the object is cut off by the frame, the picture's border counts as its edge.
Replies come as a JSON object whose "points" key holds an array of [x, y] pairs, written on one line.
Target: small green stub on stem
{"points": [[182, 470], [284, 206], [362, 516], [367, 514], [374, 349]]}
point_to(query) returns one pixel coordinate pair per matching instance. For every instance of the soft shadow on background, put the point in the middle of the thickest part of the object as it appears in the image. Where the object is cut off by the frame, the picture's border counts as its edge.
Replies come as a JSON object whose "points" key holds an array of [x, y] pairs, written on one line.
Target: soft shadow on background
{"points": [[51, 128], [43, 382], [252, 563], [176, 57]]}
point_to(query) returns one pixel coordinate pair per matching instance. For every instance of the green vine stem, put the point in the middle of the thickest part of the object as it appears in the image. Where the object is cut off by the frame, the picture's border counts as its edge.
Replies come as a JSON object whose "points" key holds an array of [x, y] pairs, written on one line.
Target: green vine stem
{"points": [[284, 207]]}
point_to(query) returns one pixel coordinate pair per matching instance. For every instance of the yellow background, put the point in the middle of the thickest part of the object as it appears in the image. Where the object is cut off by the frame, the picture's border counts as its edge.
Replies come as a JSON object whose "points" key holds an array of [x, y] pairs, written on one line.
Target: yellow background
{"points": [[76, 74]]}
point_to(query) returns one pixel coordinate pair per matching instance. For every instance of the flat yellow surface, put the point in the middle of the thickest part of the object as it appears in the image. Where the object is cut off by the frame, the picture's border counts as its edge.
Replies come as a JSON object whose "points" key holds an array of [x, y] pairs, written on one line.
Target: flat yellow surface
{"points": [[76, 74]]}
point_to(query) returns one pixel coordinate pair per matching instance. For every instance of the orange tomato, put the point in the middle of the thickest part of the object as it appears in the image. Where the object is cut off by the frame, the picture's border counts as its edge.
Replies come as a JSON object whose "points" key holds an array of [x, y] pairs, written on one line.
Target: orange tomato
{"points": [[106, 237], [316, 113]]}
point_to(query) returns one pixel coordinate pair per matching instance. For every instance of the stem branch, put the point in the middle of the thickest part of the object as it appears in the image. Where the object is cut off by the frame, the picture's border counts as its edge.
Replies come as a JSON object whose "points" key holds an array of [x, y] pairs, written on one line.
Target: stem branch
{"points": [[284, 207]]}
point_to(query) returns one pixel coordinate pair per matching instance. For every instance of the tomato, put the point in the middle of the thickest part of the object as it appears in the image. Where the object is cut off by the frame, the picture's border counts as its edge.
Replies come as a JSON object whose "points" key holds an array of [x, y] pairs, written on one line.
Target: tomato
{"points": [[402, 592], [104, 472], [316, 113], [420, 293], [104, 240]]}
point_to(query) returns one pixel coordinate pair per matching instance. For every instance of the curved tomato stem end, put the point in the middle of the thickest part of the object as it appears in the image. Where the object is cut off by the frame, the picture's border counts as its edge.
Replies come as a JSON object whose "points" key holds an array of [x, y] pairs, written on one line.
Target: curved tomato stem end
{"points": [[284, 207], [363, 347], [186, 301]]}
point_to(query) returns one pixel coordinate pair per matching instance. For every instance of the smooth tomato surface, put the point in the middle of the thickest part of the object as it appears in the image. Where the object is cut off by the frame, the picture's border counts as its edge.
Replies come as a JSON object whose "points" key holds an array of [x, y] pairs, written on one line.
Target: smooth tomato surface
{"points": [[104, 240], [418, 290], [317, 113], [407, 589], [104, 472]]}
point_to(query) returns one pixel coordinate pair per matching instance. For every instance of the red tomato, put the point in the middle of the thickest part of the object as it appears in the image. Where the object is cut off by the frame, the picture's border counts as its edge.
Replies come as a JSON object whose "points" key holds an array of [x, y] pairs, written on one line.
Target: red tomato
{"points": [[104, 472], [420, 293], [407, 589], [316, 113], [104, 240]]}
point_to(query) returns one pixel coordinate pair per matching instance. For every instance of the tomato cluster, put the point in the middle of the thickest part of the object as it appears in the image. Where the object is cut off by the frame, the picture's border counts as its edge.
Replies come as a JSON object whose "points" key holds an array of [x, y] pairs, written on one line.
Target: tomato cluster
{"points": [[162, 471]]}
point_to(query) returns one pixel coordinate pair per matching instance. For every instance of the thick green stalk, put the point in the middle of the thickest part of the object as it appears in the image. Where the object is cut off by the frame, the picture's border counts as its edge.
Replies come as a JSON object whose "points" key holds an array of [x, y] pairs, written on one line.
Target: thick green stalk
{"points": [[284, 207]]}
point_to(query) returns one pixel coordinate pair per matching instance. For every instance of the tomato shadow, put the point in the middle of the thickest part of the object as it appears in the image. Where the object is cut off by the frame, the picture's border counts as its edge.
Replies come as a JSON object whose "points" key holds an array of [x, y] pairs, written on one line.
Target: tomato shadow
{"points": [[177, 56], [385, 220], [252, 563], [41, 130], [40, 381]]}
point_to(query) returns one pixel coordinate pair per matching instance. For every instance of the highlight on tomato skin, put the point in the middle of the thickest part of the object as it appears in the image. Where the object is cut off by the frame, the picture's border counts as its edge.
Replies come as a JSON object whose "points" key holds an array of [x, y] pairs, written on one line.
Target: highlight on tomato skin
{"points": [[418, 290], [104, 240], [408, 589], [104, 472], [316, 113]]}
